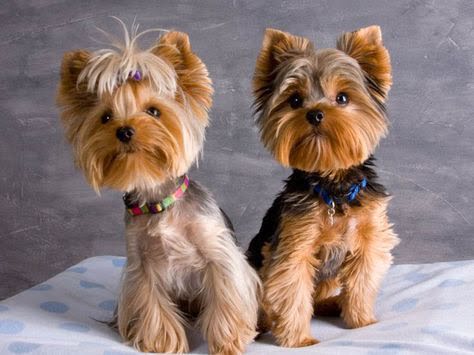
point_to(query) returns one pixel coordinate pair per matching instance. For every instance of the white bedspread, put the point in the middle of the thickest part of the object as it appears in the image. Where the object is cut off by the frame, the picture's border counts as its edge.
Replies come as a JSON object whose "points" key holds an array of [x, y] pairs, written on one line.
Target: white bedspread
{"points": [[422, 309]]}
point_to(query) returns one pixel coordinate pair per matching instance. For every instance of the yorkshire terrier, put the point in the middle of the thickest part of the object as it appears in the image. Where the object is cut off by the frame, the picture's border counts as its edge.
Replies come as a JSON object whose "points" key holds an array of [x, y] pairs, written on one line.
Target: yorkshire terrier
{"points": [[136, 121], [325, 243]]}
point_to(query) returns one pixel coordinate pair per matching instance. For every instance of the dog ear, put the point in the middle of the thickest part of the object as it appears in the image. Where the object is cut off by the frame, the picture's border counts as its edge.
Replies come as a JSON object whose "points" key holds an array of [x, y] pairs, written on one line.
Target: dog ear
{"points": [[73, 99], [366, 46], [71, 67], [193, 76], [277, 47]]}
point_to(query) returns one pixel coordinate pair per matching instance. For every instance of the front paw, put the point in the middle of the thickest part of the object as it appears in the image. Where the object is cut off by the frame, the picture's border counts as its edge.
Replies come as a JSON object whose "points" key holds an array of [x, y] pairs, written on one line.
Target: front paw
{"points": [[166, 339], [297, 343], [355, 321], [224, 345], [231, 348]]}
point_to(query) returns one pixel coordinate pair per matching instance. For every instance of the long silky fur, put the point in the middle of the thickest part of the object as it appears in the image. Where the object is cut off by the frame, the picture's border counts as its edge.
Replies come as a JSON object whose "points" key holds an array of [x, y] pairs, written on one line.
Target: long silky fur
{"points": [[183, 265]]}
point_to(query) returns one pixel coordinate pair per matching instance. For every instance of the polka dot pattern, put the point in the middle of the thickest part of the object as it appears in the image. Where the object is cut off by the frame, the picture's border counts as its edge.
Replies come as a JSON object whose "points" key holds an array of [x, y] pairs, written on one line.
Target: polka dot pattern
{"points": [[75, 327], [119, 262], [393, 326], [451, 283], [21, 347], [88, 284], [78, 269], [108, 305], [417, 277], [422, 302], [11, 326], [342, 343], [42, 287], [436, 329], [444, 306], [54, 307], [405, 305]]}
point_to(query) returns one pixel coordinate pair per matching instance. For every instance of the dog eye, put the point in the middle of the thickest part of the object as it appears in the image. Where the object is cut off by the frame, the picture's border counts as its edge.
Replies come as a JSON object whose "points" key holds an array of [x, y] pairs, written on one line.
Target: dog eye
{"points": [[106, 117], [342, 99], [153, 111], [295, 100]]}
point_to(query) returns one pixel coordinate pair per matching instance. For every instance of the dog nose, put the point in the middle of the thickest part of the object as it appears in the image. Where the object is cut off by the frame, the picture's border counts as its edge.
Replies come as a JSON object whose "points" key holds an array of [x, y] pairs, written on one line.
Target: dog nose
{"points": [[125, 134], [315, 117]]}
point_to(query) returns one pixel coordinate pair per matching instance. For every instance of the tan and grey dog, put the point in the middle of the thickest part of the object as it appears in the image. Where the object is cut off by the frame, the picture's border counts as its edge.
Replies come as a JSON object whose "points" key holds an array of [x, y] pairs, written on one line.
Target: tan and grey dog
{"points": [[325, 244], [136, 121]]}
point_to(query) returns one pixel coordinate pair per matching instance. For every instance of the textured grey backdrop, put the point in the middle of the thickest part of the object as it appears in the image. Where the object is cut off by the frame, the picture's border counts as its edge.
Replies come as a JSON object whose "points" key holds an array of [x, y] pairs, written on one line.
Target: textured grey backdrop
{"points": [[50, 218]]}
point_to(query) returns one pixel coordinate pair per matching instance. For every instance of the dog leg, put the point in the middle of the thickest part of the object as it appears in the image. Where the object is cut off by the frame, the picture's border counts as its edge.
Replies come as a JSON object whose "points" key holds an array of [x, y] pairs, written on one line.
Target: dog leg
{"points": [[229, 298], [147, 318], [365, 268], [289, 284]]}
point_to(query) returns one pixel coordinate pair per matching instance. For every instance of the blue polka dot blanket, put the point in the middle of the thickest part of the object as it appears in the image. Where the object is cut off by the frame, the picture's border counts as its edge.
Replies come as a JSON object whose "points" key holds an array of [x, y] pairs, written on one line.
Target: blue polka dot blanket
{"points": [[422, 309]]}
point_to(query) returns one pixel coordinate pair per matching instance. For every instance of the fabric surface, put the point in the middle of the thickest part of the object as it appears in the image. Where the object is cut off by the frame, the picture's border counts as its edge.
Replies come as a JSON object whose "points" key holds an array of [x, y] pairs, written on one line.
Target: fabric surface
{"points": [[422, 309]]}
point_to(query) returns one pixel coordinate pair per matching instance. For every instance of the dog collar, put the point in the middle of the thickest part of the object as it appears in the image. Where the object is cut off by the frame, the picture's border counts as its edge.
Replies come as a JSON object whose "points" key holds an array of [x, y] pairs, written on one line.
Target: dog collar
{"points": [[331, 201], [135, 209], [349, 196]]}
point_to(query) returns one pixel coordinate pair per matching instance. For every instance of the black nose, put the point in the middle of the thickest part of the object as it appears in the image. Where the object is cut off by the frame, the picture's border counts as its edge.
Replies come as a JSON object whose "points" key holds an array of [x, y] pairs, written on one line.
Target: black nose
{"points": [[315, 117], [124, 134]]}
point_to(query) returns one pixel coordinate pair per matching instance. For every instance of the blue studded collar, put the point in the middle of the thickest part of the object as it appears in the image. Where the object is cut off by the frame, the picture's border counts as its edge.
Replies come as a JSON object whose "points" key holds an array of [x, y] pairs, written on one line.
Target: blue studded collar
{"points": [[348, 197]]}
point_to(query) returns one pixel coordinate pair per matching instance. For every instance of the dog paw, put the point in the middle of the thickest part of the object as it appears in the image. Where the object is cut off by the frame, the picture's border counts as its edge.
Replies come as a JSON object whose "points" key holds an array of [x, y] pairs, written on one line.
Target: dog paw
{"points": [[163, 340], [231, 348], [297, 343], [308, 342], [173, 347], [359, 323]]}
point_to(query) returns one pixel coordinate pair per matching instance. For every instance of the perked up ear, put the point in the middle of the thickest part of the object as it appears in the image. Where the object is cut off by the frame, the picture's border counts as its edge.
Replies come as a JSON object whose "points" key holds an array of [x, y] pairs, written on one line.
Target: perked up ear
{"points": [[193, 76], [277, 47], [73, 99], [366, 46]]}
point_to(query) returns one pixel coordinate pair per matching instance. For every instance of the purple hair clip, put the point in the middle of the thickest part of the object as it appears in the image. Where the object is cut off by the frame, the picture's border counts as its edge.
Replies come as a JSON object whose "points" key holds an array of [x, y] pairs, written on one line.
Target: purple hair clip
{"points": [[137, 75]]}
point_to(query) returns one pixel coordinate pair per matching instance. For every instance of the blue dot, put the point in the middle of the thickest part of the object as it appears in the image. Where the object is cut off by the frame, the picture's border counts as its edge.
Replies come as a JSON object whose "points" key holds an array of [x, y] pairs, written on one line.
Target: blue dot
{"points": [[88, 284], [342, 343], [390, 348], [417, 277], [108, 305], [10, 326], [451, 283], [435, 329], [3, 308], [41, 287], [444, 306], [54, 307], [394, 326], [119, 262], [21, 347], [75, 327], [78, 269], [405, 305]]}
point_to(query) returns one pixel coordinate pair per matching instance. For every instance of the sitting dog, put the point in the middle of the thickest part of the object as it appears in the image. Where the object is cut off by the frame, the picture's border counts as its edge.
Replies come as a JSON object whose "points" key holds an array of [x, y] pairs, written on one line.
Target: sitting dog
{"points": [[325, 243], [136, 121]]}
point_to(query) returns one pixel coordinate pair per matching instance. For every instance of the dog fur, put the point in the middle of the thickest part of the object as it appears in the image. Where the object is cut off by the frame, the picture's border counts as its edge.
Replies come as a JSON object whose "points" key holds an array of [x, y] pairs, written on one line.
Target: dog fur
{"points": [[322, 113], [183, 262]]}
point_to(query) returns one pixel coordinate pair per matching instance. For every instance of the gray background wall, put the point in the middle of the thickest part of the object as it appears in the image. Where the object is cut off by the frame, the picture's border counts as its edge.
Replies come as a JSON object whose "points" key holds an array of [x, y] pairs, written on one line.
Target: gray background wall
{"points": [[50, 218]]}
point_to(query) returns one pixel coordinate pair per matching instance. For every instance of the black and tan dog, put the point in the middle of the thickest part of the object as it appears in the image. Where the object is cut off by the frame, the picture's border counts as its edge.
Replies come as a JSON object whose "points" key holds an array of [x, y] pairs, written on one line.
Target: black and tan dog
{"points": [[325, 244]]}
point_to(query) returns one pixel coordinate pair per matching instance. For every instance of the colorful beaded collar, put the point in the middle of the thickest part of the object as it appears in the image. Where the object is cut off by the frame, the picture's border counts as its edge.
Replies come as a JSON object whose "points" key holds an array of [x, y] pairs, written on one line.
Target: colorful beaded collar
{"points": [[135, 209]]}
